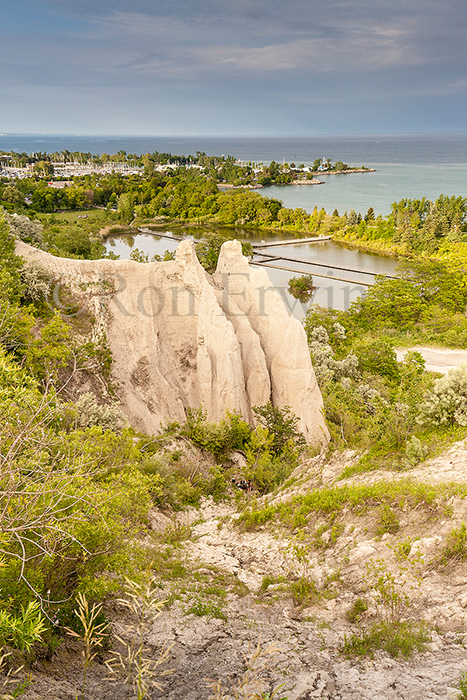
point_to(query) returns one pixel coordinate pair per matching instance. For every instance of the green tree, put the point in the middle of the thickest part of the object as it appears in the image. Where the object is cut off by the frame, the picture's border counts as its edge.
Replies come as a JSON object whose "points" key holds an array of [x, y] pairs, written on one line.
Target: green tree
{"points": [[282, 424]]}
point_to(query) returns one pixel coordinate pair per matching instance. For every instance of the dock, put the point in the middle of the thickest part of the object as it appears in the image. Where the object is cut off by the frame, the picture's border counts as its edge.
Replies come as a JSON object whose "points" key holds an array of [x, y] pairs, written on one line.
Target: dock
{"points": [[162, 235], [294, 241]]}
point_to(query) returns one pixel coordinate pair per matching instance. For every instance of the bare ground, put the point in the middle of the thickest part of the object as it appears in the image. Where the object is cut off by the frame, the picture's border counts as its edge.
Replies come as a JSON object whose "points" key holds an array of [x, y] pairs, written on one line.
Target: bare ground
{"points": [[309, 663]]}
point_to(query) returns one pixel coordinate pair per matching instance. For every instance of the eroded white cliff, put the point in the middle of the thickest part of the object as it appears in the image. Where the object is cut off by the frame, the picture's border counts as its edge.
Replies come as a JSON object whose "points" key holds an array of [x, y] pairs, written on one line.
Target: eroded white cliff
{"points": [[181, 338]]}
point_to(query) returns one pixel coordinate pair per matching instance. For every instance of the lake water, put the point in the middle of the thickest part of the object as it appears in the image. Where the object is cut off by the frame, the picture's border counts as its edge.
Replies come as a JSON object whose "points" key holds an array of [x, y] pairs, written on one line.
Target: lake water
{"points": [[406, 165], [390, 183], [330, 292]]}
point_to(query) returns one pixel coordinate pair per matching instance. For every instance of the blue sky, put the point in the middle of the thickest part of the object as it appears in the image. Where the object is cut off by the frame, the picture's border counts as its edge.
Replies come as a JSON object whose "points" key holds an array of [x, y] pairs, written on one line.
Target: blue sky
{"points": [[239, 67]]}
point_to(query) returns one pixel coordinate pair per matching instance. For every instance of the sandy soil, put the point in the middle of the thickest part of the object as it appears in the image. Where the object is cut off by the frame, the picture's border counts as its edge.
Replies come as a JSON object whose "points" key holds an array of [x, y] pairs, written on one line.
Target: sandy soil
{"points": [[437, 359]]}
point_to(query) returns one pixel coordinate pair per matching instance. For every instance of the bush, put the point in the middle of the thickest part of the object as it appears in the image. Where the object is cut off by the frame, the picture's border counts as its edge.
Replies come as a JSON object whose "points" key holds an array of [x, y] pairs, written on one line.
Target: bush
{"points": [[91, 413], [387, 521], [304, 591], [263, 468], [217, 438], [446, 403], [37, 282], [415, 450], [377, 356], [355, 612]]}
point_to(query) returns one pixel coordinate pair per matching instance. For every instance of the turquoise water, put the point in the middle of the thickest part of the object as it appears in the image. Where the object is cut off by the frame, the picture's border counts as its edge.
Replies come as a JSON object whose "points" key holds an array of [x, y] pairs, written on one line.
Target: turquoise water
{"points": [[390, 183], [406, 165]]}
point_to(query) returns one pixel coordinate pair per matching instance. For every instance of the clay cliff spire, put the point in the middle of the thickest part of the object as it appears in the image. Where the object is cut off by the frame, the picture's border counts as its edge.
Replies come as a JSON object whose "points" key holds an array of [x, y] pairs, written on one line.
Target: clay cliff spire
{"points": [[181, 338]]}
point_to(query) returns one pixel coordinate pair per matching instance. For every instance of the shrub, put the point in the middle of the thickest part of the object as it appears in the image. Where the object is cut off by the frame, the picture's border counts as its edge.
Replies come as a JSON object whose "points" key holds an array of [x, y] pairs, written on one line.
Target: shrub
{"points": [[91, 413], [354, 613], [446, 403], [37, 282], [326, 366], [217, 438], [263, 468], [415, 450], [22, 630], [26, 230], [304, 590]]}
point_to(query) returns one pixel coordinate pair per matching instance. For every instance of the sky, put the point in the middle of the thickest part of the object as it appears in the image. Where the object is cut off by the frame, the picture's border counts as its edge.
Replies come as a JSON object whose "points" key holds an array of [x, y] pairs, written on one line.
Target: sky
{"points": [[233, 67]]}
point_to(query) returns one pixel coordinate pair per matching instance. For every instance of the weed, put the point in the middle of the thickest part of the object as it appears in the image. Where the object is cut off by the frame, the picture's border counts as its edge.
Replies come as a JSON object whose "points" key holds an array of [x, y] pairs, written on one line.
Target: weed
{"points": [[208, 609], [93, 633], [388, 520], [249, 685], [403, 549], [24, 629], [14, 688], [395, 637], [455, 548], [304, 591], [389, 595], [177, 532], [463, 686], [355, 612], [335, 499], [139, 673]]}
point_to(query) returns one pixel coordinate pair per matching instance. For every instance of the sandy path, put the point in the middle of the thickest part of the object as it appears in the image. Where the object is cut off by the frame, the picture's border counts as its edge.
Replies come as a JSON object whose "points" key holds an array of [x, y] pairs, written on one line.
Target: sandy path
{"points": [[437, 359]]}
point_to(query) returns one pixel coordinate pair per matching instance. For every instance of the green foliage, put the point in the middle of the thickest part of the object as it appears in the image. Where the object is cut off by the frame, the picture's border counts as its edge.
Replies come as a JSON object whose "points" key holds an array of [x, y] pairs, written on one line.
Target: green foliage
{"points": [[10, 264], [24, 629], [282, 425], [203, 608], [218, 439], [304, 591], [51, 352], [415, 451], [357, 609], [446, 403], [25, 229], [336, 499], [302, 288], [463, 686], [208, 250], [90, 413], [455, 549], [396, 638], [319, 317], [378, 357], [389, 303], [387, 521], [263, 468]]}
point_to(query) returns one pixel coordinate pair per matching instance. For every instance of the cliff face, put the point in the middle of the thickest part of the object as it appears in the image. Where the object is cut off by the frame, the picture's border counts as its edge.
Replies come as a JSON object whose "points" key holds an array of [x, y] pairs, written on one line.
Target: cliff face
{"points": [[181, 338]]}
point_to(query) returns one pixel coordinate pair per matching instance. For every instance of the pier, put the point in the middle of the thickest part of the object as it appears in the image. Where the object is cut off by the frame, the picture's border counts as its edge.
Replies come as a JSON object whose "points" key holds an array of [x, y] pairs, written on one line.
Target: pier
{"points": [[162, 235], [295, 241]]}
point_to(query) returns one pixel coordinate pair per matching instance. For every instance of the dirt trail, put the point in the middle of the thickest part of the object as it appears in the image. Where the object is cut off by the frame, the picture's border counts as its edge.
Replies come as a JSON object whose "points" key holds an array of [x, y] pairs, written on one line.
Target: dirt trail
{"points": [[437, 359]]}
